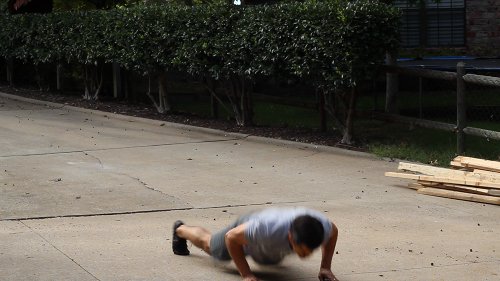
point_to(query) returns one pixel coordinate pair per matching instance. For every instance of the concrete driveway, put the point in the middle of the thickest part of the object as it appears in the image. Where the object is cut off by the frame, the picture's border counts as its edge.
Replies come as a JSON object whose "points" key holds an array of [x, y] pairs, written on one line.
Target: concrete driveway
{"points": [[87, 195]]}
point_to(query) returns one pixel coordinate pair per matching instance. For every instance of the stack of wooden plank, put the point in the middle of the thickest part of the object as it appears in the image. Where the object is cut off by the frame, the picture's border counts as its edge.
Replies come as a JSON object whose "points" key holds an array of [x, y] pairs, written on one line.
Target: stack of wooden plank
{"points": [[470, 179]]}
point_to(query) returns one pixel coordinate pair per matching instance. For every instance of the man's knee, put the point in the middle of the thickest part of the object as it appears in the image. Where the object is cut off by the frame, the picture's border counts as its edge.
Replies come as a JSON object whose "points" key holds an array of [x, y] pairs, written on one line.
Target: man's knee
{"points": [[206, 245]]}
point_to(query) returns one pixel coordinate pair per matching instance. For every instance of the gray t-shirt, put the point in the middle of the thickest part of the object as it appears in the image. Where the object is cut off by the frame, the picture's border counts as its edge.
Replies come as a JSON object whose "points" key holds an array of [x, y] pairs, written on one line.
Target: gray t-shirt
{"points": [[267, 232]]}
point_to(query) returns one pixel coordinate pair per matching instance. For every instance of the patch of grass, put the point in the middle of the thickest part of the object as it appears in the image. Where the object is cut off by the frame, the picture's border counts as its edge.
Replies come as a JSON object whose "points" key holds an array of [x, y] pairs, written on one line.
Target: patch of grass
{"points": [[401, 142], [380, 138], [419, 144]]}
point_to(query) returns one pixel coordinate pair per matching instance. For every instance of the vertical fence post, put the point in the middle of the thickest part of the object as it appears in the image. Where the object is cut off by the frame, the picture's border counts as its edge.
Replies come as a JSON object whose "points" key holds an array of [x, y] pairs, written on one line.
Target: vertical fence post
{"points": [[392, 86], [461, 108]]}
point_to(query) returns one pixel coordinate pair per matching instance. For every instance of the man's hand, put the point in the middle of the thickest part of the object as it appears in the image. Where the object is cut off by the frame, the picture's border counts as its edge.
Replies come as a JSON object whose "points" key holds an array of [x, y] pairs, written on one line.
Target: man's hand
{"points": [[326, 274], [250, 278]]}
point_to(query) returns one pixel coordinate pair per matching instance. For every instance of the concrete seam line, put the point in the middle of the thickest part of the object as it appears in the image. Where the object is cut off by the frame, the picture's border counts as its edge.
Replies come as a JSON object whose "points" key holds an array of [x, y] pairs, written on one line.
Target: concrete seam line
{"points": [[114, 148], [259, 139], [59, 250], [151, 211]]}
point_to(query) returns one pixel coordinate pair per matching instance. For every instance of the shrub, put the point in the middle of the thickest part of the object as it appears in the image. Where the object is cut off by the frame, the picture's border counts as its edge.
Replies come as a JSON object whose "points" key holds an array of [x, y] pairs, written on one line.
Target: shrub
{"points": [[334, 44]]}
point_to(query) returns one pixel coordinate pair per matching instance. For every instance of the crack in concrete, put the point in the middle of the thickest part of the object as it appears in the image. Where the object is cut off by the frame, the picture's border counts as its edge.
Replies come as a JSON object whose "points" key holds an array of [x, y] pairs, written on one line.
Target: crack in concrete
{"points": [[154, 211], [115, 148], [146, 185], [95, 157], [59, 250]]}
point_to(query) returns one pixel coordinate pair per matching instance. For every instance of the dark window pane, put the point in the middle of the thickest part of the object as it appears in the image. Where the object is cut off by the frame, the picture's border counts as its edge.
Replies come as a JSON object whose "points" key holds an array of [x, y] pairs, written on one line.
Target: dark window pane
{"points": [[444, 26]]}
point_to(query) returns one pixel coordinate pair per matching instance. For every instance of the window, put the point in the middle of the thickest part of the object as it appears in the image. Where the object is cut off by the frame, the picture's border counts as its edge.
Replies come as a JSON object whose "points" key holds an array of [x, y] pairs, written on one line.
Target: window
{"points": [[432, 24]]}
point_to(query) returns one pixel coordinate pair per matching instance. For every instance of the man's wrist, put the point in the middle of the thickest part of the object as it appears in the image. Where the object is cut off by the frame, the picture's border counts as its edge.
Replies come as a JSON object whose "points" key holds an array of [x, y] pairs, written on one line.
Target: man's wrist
{"points": [[326, 267], [249, 277]]}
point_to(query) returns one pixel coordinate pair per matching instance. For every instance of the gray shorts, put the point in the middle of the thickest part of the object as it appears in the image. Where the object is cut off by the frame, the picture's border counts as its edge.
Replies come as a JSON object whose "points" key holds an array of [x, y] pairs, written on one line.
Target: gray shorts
{"points": [[218, 249]]}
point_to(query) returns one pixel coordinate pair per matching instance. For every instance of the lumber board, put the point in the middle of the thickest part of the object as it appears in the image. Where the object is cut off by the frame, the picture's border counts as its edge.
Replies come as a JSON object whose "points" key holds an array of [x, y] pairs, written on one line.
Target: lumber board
{"points": [[429, 183], [486, 173], [472, 167], [481, 191], [415, 186], [445, 172], [427, 170], [458, 165], [494, 192], [459, 195], [456, 187], [432, 183], [453, 180], [478, 163]]}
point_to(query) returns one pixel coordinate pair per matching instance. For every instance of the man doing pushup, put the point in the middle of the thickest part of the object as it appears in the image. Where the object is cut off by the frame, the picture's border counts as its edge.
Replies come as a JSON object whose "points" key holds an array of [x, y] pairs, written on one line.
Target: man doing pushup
{"points": [[267, 236]]}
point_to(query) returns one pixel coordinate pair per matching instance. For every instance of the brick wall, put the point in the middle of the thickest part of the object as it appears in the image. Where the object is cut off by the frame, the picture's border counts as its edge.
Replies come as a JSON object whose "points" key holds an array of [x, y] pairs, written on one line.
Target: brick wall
{"points": [[483, 27]]}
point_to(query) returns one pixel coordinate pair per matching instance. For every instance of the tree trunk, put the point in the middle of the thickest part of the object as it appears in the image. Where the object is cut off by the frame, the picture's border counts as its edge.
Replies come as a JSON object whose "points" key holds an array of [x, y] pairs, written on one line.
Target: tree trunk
{"points": [[214, 101], [93, 81], [332, 110], [99, 78], [86, 94], [392, 87], [164, 105], [239, 93], [210, 86], [348, 132], [59, 79], [245, 100], [234, 96], [42, 79], [10, 71], [38, 77], [117, 81]]}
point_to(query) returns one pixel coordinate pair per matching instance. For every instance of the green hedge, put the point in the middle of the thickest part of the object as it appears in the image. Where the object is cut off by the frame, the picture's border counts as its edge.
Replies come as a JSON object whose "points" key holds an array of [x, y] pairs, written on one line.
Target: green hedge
{"points": [[333, 44]]}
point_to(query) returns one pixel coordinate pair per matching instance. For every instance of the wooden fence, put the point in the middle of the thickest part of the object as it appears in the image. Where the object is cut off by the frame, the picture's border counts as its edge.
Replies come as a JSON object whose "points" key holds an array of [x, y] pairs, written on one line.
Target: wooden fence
{"points": [[462, 78]]}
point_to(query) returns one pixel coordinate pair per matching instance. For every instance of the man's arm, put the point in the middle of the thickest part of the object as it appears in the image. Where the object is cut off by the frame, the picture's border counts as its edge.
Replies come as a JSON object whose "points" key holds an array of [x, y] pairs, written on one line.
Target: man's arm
{"points": [[327, 251], [235, 239]]}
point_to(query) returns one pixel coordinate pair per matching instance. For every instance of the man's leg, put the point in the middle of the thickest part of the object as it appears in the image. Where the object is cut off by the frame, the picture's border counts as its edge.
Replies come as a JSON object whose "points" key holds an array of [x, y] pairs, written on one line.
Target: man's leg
{"points": [[212, 244], [199, 236]]}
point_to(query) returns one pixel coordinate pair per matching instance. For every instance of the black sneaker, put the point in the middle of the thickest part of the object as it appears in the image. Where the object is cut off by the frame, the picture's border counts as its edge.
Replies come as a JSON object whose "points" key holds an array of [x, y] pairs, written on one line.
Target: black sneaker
{"points": [[179, 245]]}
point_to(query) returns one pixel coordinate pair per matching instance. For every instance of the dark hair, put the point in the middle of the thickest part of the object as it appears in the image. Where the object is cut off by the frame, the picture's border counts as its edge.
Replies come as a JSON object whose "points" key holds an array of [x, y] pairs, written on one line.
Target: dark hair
{"points": [[307, 230]]}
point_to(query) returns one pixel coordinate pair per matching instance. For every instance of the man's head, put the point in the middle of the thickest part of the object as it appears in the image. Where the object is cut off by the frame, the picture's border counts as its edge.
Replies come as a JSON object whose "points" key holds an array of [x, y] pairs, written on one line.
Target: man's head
{"points": [[306, 234]]}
